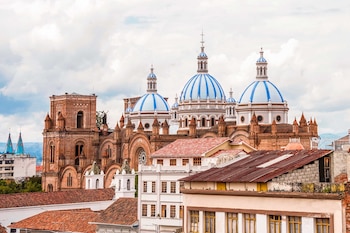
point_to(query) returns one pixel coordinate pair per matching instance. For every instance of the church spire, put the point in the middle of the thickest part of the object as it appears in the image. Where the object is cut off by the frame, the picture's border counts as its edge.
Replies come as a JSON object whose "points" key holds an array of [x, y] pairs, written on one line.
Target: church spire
{"points": [[152, 82], [202, 59], [9, 147], [261, 66], [20, 147]]}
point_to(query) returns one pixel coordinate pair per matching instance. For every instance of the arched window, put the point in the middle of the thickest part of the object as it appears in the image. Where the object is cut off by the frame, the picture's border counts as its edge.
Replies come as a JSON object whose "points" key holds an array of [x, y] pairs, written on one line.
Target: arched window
{"points": [[212, 121], [69, 180], [50, 188], [203, 122], [80, 118], [119, 185], [79, 150], [109, 151], [186, 122], [52, 152], [97, 183], [128, 184]]}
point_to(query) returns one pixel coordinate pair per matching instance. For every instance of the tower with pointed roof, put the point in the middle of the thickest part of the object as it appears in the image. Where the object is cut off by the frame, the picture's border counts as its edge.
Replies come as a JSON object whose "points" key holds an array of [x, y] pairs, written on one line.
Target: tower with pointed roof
{"points": [[20, 146], [9, 146]]}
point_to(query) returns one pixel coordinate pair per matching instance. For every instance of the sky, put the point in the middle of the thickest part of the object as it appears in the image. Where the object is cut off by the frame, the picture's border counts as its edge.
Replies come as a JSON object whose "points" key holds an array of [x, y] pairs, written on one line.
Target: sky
{"points": [[50, 47]]}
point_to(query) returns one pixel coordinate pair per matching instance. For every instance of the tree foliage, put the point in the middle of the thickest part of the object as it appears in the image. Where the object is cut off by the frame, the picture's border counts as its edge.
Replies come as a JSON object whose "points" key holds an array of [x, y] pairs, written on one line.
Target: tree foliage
{"points": [[32, 184]]}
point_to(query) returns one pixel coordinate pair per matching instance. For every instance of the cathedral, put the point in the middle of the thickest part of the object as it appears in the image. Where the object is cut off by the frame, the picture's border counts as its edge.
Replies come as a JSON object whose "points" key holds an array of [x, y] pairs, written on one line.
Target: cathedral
{"points": [[76, 137]]}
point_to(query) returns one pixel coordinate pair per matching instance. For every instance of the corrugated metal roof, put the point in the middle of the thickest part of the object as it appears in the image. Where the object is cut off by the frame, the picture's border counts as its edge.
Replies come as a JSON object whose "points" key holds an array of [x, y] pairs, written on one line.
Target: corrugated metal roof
{"points": [[188, 148], [256, 167]]}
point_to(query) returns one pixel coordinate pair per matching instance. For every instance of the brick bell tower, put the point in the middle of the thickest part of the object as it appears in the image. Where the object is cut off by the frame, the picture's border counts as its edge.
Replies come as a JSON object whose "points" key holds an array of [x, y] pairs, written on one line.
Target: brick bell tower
{"points": [[70, 141]]}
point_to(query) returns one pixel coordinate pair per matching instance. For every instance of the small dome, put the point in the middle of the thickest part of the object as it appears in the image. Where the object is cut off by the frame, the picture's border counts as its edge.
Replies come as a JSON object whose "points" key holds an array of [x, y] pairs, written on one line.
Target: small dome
{"points": [[151, 75], [230, 100], [202, 55], [151, 102], [202, 86], [261, 92]]}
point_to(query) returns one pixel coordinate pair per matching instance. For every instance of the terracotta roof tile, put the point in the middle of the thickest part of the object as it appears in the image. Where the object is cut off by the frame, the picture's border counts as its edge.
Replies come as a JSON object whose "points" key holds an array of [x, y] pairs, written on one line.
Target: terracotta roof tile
{"points": [[58, 197], [122, 212], [2, 229], [187, 148], [259, 166], [60, 220]]}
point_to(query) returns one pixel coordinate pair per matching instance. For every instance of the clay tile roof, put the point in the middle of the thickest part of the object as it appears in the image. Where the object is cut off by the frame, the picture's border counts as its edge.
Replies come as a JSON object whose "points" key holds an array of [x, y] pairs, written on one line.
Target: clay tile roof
{"points": [[60, 220], [2, 229], [259, 166], [188, 148], [122, 212], [58, 197]]}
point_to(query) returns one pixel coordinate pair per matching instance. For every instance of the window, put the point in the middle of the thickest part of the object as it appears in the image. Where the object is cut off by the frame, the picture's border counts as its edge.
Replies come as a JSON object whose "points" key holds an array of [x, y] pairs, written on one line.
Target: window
{"points": [[127, 184], [69, 180], [197, 161], [185, 162], [153, 186], [164, 187], [181, 211], [275, 224], [242, 119], [172, 211], [294, 224], [79, 151], [203, 122], [160, 161], [209, 220], [278, 118], [172, 162], [153, 210], [80, 117], [324, 169], [322, 225], [260, 118], [249, 223], [231, 223], [173, 187], [163, 213], [144, 210], [194, 220], [52, 153], [109, 151], [212, 121], [145, 186]]}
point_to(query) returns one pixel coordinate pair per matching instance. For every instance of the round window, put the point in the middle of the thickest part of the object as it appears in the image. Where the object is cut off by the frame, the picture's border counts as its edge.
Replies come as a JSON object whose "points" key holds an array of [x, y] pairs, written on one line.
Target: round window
{"points": [[146, 125], [260, 118], [242, 119], [142, 157], [278, 118]]}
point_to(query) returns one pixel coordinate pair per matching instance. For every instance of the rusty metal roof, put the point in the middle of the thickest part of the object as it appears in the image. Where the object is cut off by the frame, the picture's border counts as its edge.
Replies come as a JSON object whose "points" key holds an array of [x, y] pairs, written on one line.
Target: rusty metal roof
{"points": [[260, 166]]}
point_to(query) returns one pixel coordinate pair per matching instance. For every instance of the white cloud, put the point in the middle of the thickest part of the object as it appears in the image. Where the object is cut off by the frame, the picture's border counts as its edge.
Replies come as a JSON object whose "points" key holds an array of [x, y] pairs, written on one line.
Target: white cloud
{"points": [[107, 48]]}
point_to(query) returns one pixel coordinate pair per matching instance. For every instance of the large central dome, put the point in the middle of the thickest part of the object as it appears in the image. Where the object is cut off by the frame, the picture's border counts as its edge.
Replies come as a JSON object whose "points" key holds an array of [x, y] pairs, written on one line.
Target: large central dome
{"points": [[202, 86]]}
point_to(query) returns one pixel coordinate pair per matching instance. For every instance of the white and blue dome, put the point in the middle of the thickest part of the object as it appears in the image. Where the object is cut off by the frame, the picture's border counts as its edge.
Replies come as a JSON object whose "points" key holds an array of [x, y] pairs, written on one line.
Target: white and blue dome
{"points": [[151, 102], [202, 86], [261, 91]]}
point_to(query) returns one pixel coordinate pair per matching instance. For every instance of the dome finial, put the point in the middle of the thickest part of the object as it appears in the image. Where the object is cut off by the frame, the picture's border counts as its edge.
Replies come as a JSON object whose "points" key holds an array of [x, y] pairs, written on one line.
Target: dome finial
{"points": [[152, 82], [261, 66], [202, 58]]}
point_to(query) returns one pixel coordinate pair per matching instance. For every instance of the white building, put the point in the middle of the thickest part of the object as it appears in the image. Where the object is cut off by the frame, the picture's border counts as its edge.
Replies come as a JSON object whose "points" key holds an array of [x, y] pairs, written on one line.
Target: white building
{"points": [[268, 192], [15, 164], [159, 197]]}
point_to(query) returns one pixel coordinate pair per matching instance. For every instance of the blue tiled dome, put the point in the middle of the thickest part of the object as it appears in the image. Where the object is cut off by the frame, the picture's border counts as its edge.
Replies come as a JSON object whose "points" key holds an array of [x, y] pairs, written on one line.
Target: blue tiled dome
{"points": [[151, 102], [261, 92], [202, 86]]}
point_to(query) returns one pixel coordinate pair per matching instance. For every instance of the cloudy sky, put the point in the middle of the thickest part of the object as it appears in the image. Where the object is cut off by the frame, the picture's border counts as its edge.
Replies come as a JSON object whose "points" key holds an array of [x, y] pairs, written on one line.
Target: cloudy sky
{"points": [[107, 48]]}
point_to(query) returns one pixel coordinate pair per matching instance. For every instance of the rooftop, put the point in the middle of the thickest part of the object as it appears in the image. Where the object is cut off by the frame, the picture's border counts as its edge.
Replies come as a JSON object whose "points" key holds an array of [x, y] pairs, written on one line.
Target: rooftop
{"points": [[58, 197]]}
